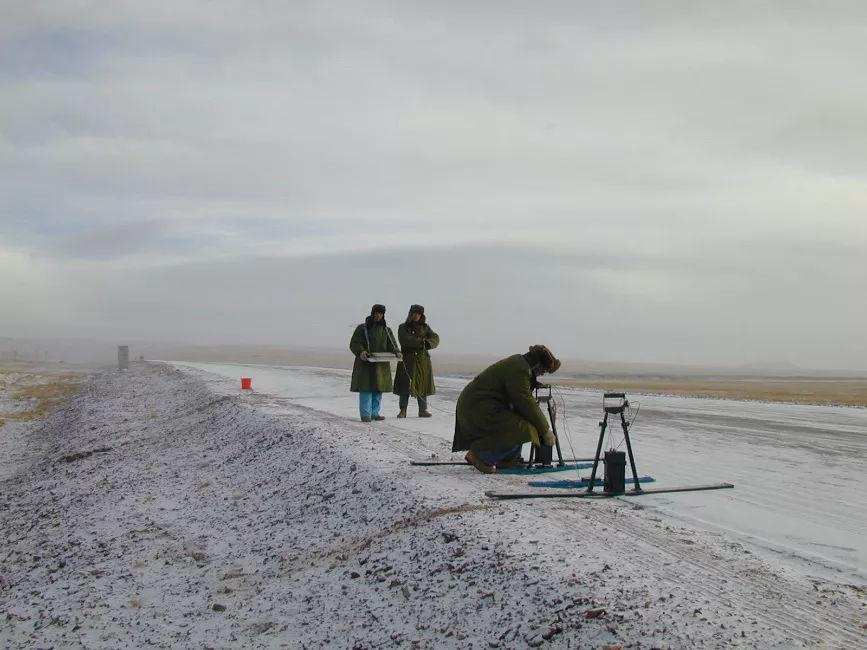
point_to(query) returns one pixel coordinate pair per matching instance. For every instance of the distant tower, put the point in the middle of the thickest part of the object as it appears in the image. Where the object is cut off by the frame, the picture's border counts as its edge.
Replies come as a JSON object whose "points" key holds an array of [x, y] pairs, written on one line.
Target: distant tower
{"points": [[123, 357]]}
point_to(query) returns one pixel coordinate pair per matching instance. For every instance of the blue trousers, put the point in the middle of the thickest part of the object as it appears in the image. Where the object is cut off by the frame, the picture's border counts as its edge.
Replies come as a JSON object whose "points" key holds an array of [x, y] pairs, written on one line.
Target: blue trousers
{"points": [[368, 403], [494, 457]]}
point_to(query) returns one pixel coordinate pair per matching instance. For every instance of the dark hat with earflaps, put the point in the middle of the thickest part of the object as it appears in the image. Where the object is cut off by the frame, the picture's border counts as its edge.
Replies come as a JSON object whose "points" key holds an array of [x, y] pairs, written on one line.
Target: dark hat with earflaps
{"points": [[415, 309], [377, 309], [546, 358]]}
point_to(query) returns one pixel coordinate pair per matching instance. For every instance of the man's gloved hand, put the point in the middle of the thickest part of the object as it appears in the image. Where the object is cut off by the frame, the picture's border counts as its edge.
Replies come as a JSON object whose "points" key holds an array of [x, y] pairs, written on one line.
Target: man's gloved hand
{"points": [[549, 439], [363, 355]]}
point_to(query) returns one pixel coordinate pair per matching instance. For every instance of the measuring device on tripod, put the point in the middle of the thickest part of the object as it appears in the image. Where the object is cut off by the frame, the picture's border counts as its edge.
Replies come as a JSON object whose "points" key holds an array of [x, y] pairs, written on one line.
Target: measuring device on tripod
{"points": [[615, 462], [541, 458], [543, 454]]}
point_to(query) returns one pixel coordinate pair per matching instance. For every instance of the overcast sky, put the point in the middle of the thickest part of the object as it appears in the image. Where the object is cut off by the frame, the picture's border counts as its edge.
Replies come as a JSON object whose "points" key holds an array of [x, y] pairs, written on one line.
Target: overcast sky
{"points": [[683, 184]]}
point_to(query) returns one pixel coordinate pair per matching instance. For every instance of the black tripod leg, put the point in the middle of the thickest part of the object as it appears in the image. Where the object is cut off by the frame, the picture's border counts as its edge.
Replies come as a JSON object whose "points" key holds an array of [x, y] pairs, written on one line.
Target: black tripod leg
{"points": [[629, 449], [553, 417], [602, 426]]}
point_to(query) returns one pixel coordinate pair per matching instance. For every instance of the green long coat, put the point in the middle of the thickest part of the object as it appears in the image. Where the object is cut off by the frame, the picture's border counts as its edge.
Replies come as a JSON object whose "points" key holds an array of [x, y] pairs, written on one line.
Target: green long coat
{"points": [[416, 361], [371, 377], [498, 407]]}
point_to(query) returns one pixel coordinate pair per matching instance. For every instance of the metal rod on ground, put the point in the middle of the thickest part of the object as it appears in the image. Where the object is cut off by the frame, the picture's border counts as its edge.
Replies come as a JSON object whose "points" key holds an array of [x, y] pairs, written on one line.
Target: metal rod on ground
{"points": [[590, 495], [463, 462]]}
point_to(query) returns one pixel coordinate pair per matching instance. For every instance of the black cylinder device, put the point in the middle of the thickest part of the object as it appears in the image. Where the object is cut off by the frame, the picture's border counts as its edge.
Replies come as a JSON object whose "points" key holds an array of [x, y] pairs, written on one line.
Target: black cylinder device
{"points": [[615, 472]]}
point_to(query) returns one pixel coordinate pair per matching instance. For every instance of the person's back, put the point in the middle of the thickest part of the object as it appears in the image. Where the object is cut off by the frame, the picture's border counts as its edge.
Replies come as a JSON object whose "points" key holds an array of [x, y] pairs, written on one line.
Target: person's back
{"points": [[496, 412], [489, 392]]}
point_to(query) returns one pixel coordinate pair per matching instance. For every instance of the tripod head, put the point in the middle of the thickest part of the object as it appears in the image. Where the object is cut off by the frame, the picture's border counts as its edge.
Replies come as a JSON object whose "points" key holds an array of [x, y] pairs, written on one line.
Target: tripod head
{"points": [[614, 402]]}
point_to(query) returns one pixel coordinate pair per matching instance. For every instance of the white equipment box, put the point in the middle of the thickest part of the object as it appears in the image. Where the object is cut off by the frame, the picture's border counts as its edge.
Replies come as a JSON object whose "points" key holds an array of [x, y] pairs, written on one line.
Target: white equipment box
{"points": [[384, 357]]}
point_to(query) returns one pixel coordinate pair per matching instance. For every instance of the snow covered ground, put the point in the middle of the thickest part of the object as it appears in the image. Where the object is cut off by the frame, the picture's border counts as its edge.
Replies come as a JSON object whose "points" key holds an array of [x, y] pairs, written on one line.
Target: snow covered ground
{"points": [[165, 508], [796, 468]]}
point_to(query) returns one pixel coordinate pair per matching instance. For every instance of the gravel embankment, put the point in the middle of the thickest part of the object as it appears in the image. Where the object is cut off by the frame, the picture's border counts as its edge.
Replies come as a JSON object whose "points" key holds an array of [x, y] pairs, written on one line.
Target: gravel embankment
{"points": [[206, 520]]}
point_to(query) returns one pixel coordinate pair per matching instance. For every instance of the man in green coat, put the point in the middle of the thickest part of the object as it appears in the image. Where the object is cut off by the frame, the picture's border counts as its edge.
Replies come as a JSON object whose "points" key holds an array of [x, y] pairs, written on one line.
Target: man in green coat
{"points": [[414, 375], [370, 380], [496, 412]]}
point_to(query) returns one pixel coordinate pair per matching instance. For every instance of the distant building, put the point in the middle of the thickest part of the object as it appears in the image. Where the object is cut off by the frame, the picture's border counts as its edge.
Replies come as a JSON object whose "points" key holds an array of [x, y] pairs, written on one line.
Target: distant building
{"points": [[123, 357]]}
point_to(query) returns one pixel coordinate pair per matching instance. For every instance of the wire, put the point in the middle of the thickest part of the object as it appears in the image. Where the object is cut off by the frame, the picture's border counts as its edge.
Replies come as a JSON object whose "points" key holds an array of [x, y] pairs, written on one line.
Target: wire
{"points": [[559, 395], [631, 420], [441, 410], [608, 429], [634, 417]]}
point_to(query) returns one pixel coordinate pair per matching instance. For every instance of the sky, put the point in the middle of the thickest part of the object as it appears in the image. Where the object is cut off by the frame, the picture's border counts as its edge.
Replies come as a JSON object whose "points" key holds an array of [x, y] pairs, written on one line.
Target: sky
{"points": [[679, 182]]}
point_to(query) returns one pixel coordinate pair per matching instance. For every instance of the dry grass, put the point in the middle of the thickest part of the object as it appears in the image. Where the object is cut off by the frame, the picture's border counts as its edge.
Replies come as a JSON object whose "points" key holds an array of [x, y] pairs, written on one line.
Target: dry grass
{"points": [[42, 390], [47, 398], [845, 392]]}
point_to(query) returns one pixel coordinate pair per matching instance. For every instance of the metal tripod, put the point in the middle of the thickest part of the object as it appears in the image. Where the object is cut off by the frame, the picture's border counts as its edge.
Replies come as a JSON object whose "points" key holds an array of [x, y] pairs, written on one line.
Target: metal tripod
{"points": [[618, 407], [543, 455]]}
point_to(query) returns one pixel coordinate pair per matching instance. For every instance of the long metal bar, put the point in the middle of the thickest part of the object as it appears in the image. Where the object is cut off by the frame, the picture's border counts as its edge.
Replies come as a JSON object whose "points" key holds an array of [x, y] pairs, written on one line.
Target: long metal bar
{"points": [[602, 495], [429, 463]]}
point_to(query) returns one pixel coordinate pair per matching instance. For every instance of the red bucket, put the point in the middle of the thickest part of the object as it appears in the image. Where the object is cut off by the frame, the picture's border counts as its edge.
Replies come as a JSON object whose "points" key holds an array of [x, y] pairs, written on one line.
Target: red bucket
{"points": [[246, 383]]}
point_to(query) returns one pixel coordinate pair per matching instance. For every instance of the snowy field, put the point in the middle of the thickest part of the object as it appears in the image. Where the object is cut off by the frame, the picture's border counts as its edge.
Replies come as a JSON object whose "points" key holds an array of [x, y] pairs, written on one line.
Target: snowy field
{"points": [[165, 508], [796, 468]]}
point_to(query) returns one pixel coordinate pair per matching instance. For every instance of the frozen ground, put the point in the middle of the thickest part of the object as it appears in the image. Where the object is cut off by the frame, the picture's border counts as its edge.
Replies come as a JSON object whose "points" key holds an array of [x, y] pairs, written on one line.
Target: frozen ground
{"points": [[17, 410], [210, 518], [796, 468]]}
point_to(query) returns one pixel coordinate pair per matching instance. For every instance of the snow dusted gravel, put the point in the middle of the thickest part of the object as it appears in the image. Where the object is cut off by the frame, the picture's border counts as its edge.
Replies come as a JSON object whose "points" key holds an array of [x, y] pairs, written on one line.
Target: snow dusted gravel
{"points": [[205, 518]]}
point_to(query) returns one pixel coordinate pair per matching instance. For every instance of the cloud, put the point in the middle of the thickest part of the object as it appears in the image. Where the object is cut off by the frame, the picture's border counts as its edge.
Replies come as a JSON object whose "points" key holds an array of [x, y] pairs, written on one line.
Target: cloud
{"points": [[497, 299], [685, 150]]}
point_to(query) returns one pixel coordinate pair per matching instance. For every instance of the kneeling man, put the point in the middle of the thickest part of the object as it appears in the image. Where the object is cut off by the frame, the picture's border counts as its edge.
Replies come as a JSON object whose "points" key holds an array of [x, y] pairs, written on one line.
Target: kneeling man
{"points": [[496, 412]]}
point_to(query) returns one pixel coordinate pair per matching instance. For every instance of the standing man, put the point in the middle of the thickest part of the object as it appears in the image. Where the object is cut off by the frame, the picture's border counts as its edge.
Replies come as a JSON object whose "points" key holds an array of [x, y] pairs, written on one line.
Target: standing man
{"points": [[370, 379], [496, 413], [414, 375]]}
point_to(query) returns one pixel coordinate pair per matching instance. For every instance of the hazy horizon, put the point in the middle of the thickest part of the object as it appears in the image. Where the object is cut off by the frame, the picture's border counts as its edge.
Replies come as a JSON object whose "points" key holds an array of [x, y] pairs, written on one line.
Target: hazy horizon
{"points": [[623, 183], [104, 352]]}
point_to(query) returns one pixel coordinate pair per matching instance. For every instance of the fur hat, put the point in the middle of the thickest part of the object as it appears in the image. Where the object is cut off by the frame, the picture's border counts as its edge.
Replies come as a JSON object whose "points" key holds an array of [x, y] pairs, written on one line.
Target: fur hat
{"points": [[377, 308], [415, 309], [546, 358]]}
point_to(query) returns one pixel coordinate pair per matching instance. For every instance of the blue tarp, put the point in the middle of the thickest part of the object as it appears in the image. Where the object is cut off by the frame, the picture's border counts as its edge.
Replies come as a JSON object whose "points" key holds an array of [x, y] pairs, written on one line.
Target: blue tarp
{"points": [[584, 482], [539, 469]]}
